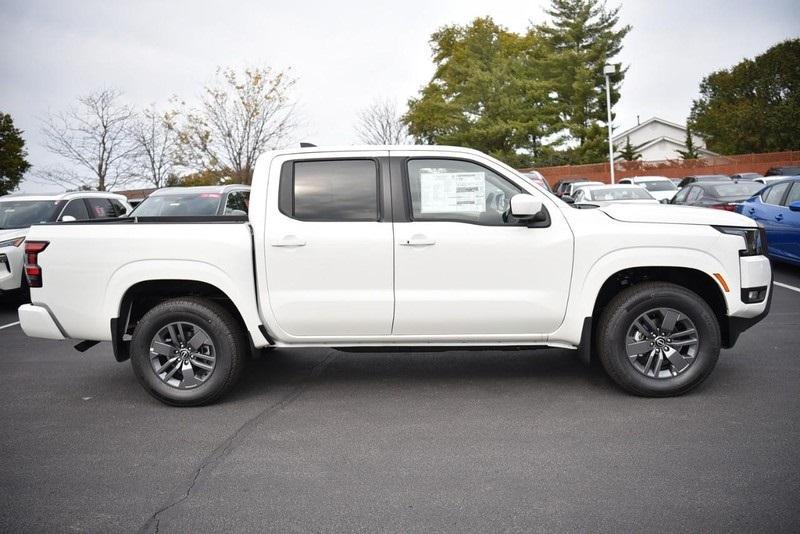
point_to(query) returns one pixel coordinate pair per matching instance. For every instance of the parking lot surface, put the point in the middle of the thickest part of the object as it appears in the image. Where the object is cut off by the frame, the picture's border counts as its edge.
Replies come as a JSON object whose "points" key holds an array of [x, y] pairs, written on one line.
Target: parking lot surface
{"points": [[319, 440]]}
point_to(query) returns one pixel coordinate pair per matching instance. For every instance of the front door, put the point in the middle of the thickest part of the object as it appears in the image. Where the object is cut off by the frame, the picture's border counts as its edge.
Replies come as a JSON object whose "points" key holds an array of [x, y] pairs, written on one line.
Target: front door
{"points": [[329, 258], [462, 267]]}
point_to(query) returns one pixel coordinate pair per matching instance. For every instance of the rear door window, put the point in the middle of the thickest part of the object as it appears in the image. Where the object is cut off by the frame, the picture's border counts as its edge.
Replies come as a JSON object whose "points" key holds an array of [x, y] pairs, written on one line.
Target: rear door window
{"points": [[794, 194], [774, 194], [76, 208]]}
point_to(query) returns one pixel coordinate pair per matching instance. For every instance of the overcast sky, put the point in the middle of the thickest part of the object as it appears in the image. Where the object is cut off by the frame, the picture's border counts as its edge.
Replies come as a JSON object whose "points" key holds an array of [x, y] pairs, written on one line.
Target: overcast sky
{"points": [[345, 54]]}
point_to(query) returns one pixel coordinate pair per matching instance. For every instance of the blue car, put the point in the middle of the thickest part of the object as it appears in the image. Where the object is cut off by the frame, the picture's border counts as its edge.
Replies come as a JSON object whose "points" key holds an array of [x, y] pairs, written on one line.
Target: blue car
{"points": [[777, 208]]}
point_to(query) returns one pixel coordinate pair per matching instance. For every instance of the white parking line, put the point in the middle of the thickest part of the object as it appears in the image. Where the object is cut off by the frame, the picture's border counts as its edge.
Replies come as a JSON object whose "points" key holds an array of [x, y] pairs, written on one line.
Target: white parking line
{"points": [[9, 325], [787, 286]]}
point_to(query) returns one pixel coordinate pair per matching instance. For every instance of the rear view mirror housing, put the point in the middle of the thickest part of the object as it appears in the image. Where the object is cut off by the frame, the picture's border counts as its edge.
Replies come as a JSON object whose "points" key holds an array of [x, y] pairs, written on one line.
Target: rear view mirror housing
{"points": [[568, 199], [68, 218], [795, 206], [528, 209]]}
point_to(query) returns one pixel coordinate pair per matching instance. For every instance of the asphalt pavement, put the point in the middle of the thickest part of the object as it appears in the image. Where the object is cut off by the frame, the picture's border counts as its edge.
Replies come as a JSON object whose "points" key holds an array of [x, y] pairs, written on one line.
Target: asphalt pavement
{"points": [[324, 441]]}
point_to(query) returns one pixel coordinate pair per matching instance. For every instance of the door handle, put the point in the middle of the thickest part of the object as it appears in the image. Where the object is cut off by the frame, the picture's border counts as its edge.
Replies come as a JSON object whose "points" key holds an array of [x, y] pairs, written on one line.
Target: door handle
{"points": [[751, 211], [289, 241], [418, 240], [779, 217]]}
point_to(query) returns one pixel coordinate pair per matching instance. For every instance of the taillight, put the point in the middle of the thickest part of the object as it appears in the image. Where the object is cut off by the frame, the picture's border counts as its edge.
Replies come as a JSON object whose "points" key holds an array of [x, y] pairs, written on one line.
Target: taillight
{"points": [[726, 206], [32, 270]]}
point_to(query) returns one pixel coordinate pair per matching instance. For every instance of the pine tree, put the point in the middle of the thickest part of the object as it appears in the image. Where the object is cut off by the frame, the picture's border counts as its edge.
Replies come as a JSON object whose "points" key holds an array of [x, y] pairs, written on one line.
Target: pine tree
{"points": [[628, 151], [13, 164], [691, 151], [583, 35]]}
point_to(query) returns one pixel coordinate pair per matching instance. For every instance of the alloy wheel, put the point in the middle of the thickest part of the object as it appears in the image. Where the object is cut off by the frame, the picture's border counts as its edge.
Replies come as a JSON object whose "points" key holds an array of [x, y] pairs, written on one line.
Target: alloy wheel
{"points": [[662, 343], [182, 355]]}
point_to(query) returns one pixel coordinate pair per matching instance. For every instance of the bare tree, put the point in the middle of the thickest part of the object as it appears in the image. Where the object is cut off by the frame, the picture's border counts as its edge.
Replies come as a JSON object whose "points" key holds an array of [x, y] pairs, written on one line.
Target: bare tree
{"points": [[94, 138], [381, 124], [157, 140], [239, 116]]}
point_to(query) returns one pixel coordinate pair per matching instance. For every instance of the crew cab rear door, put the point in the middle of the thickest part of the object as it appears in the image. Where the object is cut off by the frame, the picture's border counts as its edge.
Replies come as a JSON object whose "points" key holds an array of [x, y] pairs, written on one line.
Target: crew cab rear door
{"points": [[460, 269], [328, 245]]}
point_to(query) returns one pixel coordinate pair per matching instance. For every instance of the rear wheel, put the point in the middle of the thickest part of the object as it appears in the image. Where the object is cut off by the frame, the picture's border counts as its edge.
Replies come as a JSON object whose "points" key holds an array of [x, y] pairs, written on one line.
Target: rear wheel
{"points": [[187, 351], [658, 339]]}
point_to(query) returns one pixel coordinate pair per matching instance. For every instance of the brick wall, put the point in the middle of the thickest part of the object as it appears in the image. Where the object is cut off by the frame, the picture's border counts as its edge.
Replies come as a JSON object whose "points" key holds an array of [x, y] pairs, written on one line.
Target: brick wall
{"points": [[673, 168]]}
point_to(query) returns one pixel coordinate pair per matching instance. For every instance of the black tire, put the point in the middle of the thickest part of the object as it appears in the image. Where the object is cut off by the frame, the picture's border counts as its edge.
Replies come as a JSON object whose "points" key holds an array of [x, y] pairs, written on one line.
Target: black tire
{"points": [[229, 341], [626, 307]]}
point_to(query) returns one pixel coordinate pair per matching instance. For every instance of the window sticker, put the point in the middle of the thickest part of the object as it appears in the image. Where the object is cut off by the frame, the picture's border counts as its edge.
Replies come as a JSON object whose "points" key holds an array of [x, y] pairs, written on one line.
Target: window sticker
{"points": [[453, 192]]}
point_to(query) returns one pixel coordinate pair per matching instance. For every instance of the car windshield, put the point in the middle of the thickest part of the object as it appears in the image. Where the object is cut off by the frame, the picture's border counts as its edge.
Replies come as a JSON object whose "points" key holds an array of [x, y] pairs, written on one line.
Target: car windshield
{"points": [[178, 205], [23, 213], [620, 193], [659, 185], [740, 190]]}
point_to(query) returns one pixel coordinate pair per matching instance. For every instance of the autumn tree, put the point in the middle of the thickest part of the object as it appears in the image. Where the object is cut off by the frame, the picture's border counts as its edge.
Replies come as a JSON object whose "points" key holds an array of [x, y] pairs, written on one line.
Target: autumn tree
{"points": [[753, 106], [94, 139], [380, 123], [238, 116], [489, 91], [13, 162]]}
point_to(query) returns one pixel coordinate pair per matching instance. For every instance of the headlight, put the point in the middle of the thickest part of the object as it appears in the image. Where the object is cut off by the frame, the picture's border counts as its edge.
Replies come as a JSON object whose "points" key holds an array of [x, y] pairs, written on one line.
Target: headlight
{"points": [[17, 241], [755, 239]]}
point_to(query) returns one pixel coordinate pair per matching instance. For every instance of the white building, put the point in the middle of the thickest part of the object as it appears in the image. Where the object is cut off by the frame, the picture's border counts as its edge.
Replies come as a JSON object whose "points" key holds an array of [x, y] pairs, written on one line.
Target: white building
{"points": [[656, 139]]}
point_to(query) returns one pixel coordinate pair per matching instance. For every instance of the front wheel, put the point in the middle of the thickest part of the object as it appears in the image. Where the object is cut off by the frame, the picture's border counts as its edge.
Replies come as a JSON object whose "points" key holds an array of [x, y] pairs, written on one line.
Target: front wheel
{"points": [[658, 339], [187, 351]]}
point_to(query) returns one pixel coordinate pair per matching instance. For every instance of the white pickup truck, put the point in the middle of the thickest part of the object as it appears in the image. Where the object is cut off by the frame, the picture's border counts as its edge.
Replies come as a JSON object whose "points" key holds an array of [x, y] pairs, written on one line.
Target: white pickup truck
{"points": [[394, 247]]}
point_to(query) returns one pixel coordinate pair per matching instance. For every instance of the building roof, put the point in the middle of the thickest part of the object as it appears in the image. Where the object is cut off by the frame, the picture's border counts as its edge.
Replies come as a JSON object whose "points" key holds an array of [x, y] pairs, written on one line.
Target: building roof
{"points": [[622, 135]]}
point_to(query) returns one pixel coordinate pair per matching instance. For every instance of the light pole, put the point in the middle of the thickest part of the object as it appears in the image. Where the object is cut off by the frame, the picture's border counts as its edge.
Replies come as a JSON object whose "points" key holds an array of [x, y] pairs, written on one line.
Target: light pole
{"points": [[608, 70]]}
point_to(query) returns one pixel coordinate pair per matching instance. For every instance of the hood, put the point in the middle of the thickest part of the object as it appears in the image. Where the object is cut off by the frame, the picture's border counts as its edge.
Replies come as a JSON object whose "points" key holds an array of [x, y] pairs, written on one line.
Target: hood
{"points": [[670, 214], [12, 233]]}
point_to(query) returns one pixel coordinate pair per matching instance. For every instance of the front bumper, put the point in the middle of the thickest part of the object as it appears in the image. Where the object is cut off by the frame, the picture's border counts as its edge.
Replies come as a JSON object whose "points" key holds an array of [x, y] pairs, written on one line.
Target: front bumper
{"points": [[37, 321], [756, 273]]}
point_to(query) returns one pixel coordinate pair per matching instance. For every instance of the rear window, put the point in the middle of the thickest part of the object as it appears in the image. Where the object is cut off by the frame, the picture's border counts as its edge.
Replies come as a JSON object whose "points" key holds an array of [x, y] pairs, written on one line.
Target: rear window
{"points": [[659, 185], [742, 189], [178, 205], [620, 193]]}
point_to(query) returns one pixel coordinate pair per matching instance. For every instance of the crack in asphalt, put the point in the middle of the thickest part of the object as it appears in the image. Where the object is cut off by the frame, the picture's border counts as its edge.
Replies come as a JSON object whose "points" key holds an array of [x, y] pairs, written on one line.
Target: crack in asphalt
{"points": [[222, 450]]}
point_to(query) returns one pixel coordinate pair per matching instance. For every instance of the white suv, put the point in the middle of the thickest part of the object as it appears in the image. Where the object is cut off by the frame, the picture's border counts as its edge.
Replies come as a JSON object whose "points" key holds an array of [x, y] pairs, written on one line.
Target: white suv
{"points": [[19, 211]]}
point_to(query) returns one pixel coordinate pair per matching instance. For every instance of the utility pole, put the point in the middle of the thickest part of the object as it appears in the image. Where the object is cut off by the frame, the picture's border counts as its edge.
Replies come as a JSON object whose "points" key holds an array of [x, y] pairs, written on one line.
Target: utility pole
{"points": [[608, 70]]}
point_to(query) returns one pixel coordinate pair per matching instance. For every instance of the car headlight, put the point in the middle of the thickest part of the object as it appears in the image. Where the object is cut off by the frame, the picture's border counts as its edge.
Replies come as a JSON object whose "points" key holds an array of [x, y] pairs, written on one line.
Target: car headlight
{"points": [[17, 241], [755, 239]]}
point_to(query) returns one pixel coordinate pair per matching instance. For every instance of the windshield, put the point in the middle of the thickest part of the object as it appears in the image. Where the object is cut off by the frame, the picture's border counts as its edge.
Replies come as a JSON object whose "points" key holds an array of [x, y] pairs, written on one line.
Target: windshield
{"points": [[620, 193], [659, 185], [740, 190], [23, 213], [178, 205]]}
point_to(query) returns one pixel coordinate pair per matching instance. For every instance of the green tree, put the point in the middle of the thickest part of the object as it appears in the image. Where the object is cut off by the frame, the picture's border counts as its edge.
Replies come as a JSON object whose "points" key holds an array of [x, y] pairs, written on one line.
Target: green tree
{"points": [[753, 106], [488, 92], [583, 36], [628, 151], [13, 164], [691, 151]]}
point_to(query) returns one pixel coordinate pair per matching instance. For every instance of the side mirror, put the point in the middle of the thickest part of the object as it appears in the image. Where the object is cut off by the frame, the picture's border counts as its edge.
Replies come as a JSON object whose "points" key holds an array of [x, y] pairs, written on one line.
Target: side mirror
{"points": [[68, 218], [526, 207], [794, 206], [568, 199]]}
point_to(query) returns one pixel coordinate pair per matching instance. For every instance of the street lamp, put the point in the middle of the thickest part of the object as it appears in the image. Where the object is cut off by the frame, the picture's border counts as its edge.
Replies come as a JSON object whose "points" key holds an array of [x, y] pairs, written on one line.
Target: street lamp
{"points": [[608, 70]]}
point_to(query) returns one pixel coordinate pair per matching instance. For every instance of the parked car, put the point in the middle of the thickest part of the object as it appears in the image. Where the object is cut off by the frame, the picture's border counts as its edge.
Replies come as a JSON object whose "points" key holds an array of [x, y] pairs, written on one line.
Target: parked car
{"points": [[660, 187], [703, 178], [604, 194], [536, 177], [777, 209], [718, 195], [745, 176], [195, 201], [790, 170], [571, 189], [19, 211], [454, 249], [562, 185]]}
